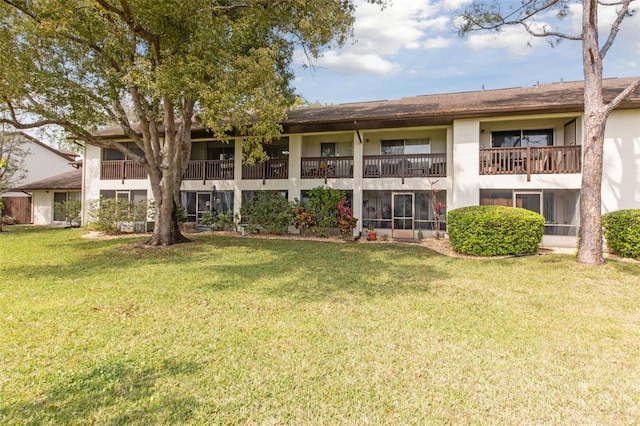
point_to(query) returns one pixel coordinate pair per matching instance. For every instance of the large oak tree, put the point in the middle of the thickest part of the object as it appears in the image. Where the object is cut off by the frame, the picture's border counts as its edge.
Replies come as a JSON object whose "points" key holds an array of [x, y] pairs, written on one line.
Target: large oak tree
{"points": [[531, 15], [154, 67]]}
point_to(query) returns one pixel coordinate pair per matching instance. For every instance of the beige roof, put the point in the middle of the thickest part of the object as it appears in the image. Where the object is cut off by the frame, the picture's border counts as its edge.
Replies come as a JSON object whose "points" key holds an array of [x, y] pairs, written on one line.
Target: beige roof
{"points": [[69, 181]]}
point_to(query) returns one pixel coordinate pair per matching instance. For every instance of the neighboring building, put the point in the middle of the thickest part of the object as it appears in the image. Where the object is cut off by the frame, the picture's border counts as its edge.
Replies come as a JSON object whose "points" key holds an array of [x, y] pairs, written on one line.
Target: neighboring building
{"points": [[46, 193], [41, 163], [519, 147]]}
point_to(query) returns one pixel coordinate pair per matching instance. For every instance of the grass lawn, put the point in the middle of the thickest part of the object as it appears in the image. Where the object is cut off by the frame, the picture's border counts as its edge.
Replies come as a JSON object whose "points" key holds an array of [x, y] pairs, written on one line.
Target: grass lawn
{"points": [[255, 331]]}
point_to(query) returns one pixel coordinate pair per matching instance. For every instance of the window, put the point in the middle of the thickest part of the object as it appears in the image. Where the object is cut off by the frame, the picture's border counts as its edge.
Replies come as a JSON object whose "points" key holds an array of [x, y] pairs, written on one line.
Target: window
{"points": [[247, 195], [304, 197], [405, 146], [328, 149], [60, 214], [424, 216], [278, 148], [218, 150], [376, 209], [522, 138], [197, 203], [110, 154], [136, 201], [559, 207]]}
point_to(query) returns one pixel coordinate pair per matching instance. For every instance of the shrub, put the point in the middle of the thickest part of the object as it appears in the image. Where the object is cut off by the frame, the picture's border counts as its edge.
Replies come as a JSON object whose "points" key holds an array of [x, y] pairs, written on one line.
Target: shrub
{"points": [[494, 230], [70, 210], [268, 212], [113, 215], [622, 232], [346, 221], [323, 206]]}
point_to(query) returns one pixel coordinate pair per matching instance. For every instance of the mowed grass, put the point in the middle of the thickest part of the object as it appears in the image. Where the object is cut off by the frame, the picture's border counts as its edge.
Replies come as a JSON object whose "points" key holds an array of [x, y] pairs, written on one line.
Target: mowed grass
{"points": [[263, 331]]}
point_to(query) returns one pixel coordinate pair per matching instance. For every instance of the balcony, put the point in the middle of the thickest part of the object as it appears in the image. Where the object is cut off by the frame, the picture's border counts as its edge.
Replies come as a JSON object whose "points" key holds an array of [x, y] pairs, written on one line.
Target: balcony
{"points": [[196, 170], [209, 170], [121, 170], [405, 166], [531, 160], [326, 167], [275, 168]]}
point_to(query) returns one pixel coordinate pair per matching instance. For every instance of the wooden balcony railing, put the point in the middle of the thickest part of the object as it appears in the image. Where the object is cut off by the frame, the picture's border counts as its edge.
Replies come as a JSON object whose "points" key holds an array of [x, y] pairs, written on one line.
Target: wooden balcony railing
{"points": [[209, 170], [531, 160], [275, 168], [326, 167], [405, 166], [121, 170], [196, 170]]}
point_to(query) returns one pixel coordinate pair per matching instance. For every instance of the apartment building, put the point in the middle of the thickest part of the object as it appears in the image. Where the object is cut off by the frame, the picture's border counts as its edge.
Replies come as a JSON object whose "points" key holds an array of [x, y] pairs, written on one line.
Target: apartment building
{"points": [[518, 147]]}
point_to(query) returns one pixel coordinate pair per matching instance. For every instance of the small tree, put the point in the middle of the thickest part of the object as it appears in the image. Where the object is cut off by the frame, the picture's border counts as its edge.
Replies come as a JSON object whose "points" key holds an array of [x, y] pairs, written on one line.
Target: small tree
{"points": [[494, 15], [12, 167], [153, 68]]}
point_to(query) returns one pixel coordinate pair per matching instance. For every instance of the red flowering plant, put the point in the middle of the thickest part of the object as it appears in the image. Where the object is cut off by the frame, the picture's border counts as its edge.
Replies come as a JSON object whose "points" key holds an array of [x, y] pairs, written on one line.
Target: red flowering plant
{"points": [[346, 221]]}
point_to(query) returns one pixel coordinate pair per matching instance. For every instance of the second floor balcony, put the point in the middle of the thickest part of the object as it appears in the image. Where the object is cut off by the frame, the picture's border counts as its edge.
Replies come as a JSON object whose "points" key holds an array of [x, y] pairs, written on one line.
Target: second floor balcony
{"points": [[531, 160], [404, 166], [196, 170]]}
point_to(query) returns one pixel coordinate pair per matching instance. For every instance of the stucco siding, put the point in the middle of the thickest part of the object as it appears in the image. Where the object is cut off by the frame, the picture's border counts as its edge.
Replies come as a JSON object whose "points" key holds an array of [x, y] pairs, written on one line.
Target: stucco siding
{"points": [[621, 166]]}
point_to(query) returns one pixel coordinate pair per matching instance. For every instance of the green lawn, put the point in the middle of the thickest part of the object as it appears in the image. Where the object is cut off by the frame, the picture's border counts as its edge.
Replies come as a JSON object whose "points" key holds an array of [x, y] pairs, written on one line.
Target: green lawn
{"points": [[241, 330]]}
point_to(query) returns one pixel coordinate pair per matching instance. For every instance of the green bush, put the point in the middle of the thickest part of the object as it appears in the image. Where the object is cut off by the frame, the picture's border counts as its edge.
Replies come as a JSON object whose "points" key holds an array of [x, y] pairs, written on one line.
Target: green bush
{"points": [[70, 210], [323, 206], [268, 212], [494, 230], [622, 232], [114, 215]]}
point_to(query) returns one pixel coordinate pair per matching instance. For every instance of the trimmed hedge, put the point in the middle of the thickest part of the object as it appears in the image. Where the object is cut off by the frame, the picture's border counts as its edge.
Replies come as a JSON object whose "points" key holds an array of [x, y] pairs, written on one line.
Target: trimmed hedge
{"points": [[494, 230], [622, 232]]}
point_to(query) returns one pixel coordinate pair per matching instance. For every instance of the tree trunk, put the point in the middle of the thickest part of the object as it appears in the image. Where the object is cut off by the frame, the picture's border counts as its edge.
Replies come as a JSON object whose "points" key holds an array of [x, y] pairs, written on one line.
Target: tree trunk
{"points": [[595, 118], [590, 250], [166, 231]]}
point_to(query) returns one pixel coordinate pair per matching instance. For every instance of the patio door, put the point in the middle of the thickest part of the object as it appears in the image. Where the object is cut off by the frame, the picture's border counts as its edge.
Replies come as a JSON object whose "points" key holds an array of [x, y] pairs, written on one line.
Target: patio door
{"points": [[529, 200], [203, 205], [402, 208]]}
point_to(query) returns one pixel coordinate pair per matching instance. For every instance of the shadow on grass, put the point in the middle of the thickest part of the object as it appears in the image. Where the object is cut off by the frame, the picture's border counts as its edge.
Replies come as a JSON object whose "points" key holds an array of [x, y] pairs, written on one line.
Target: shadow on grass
{"points": [[310, 270], [115, 390]]}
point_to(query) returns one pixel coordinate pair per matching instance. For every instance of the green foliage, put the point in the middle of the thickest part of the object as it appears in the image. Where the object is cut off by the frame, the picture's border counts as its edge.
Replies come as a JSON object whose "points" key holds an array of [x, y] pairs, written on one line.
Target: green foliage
{"points": [[268, 211], [224, 221], [82, 64], [116, 215], [13, 151], [303, 219], [346, 221], [70, 210], [494, 230], [323, 206], [622, 232]]}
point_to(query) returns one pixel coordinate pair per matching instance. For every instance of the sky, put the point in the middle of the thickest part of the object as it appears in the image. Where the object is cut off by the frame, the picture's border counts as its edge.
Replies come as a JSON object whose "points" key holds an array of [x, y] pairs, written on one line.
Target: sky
{"points": [[411, 48]]}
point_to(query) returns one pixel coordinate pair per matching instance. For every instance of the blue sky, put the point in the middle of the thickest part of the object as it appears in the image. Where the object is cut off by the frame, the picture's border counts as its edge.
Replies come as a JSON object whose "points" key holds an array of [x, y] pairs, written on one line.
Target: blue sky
{"points": [[411, 48]]}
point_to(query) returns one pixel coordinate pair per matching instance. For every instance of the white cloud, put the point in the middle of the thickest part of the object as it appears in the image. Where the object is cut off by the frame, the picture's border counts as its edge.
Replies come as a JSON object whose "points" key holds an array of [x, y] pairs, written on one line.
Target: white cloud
{"points": [[515, 39], [455, 4], [437, 43], [349, 62], [380, 34]]}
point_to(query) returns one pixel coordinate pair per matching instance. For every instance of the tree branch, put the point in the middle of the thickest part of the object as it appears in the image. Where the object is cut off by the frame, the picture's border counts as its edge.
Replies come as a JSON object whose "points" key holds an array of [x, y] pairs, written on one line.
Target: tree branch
{"points": [[635, 85], [615, 27]]}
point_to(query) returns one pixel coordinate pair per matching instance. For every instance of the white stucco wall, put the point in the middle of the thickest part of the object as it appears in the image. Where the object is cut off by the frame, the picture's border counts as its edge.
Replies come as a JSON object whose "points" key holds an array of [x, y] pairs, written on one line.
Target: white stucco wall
{"points": [[42, 163], [621, 167], [42, 207]]}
